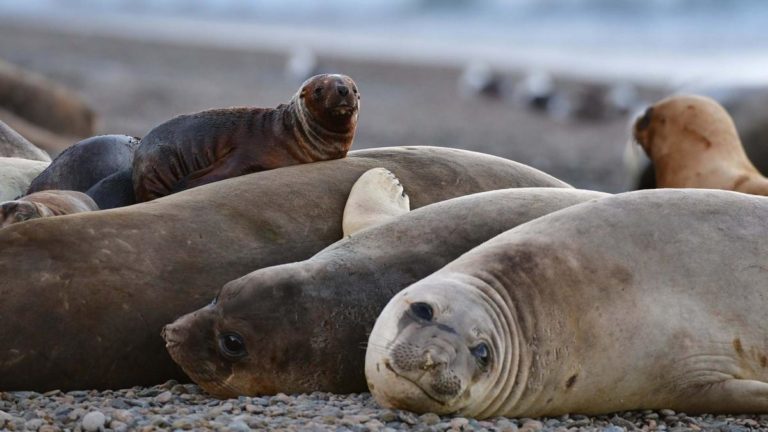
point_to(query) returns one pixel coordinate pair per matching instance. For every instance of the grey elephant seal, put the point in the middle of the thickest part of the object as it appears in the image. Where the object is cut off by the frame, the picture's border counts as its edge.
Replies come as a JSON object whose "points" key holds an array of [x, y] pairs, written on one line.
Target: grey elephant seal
{"points": [[16, 174], [321, 310], [45, 204], [87, 162], [16, 146], [191, 150], [693, 143], [645, 300], [143, 266]]}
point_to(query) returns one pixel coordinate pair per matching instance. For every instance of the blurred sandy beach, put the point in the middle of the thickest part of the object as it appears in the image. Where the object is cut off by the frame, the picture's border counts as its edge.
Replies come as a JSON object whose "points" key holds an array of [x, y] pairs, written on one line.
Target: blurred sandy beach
{"points": [[137, 72]]}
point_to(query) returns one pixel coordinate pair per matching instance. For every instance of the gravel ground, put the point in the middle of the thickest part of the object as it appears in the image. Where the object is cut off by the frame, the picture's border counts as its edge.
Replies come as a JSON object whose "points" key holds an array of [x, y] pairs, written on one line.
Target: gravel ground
{"points": [[174, 406]]}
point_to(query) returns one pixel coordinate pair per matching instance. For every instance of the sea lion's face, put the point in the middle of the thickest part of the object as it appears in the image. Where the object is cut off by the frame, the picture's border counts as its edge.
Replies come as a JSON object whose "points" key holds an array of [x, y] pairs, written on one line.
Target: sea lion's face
{"points": [[333, 101], [231, 348], [433, 349], [689, 123], [12, 212]]}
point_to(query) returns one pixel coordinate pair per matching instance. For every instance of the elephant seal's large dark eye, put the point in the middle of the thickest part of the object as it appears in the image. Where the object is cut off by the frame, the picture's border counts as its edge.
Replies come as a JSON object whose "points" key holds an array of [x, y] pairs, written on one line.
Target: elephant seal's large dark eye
{"points": [[318, 91], [482, 354], [232, 345], [422, 310]]}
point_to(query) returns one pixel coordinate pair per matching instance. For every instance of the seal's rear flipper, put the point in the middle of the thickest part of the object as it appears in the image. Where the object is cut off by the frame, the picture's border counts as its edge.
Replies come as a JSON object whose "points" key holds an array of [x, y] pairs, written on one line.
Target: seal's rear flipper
{"points": [[376, 197], [733, 396]]}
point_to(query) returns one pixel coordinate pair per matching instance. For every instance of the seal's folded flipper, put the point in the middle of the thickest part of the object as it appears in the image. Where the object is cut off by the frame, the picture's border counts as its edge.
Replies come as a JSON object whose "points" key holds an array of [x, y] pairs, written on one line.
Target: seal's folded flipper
{"points": [[376, 197]]}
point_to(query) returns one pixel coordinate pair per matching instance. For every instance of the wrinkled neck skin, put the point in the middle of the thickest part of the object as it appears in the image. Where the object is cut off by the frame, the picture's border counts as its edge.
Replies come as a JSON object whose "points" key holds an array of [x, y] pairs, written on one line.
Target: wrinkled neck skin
{"points": [[518, 384], [503, 388], [705, 159], [320, 143]]}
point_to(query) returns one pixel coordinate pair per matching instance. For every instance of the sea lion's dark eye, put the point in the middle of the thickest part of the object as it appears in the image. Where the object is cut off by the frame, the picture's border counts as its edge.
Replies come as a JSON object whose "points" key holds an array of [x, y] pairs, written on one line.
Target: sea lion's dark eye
{"points": [[645, 120], [232, 345], [318, 91], [422, 310], [481, 353]]}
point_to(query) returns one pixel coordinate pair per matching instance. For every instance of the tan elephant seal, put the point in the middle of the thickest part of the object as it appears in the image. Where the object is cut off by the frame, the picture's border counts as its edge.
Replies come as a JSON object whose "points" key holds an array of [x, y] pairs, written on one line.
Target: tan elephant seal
{"points": [[45, 204], [693, 143], [16, 174], [646, 300], [108, 281], [318, 124], [322, 310], [14, 145]]}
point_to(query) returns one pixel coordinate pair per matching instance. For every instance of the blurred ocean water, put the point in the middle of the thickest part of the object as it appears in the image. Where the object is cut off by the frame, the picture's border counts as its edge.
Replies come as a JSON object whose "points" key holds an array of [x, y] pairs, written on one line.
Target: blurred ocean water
{"points": [[708, 41]]}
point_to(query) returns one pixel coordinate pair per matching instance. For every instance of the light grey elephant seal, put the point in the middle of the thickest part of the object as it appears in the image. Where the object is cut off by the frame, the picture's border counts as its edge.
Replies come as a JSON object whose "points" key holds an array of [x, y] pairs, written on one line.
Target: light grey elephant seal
{"points": [[645, 300], [16, 174], [301, 327], [142, 266], [45, 204]]}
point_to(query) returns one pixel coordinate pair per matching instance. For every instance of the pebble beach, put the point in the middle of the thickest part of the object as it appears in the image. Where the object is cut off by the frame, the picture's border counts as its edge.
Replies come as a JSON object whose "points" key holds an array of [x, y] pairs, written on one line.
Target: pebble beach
{"points": [[173, 406]]}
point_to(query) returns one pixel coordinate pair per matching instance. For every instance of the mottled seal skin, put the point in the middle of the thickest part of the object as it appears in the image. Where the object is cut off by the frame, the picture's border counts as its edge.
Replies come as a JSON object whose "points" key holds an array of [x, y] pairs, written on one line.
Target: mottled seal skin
{"points": [[114, 191], [322, 310], [16, 174], [693, 143], [108, 281], [87, 162], [191, 150], [646, 300], [36, 101], [16, 146], [45, 204]]}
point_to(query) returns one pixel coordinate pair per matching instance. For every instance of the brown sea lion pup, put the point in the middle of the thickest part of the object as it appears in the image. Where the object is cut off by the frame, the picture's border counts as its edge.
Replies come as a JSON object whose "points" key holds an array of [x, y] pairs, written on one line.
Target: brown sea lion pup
{"points": [[191, 150], [45, 204], [108, 281], [693, 143], [45, 112], [16, 146]]}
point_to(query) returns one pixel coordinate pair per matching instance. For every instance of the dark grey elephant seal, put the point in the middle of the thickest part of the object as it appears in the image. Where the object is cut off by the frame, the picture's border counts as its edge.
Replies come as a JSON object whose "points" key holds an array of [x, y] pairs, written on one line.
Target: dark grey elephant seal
{"points": [[87, 162], [141, 267], [14, 145], [250, 340], [645, 300], [114, 191]]}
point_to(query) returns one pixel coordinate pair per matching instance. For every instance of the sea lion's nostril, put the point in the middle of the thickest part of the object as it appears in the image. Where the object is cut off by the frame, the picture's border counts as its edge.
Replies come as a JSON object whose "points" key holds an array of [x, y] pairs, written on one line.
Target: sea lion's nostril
{"points": [[343, 90]]}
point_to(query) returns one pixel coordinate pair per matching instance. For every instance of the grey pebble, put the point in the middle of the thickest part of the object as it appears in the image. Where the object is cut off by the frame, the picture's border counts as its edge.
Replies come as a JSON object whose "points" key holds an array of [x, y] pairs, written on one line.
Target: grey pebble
{"points": [[181, 407], [93, 421]]}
